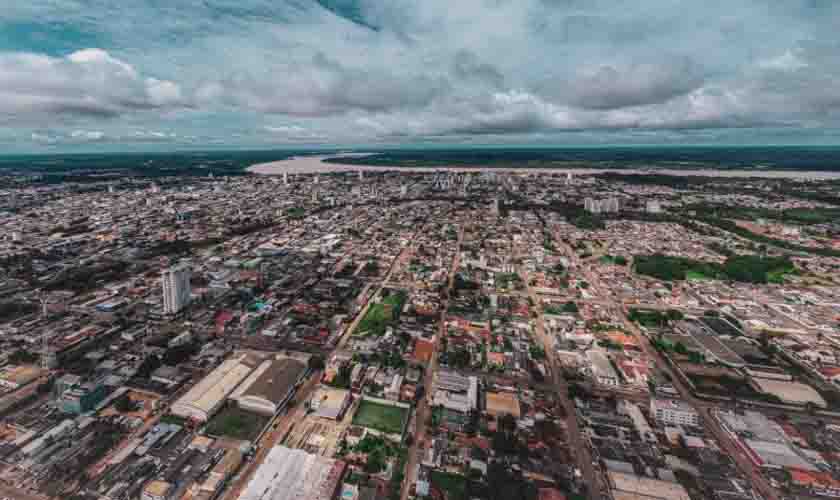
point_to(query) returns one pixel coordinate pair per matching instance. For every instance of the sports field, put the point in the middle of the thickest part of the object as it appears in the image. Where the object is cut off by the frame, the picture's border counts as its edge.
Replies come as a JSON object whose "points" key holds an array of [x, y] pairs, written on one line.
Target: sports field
{"points": [[379, 417]]}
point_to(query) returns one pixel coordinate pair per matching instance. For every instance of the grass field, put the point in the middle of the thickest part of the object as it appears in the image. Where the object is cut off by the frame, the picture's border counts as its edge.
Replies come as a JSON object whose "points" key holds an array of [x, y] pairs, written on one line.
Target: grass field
{"points": [[379, 316], [453, 485], [388, 419], [694, 275], [236, 423]]}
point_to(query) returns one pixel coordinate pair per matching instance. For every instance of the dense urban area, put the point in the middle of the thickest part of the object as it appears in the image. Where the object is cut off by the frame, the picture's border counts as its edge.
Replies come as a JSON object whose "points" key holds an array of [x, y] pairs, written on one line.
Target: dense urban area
{"points": [[362, 335]]}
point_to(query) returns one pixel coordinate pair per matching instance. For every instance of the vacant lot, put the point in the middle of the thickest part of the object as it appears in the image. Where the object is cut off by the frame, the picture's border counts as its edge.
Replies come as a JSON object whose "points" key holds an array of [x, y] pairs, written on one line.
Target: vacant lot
{"points": [[383, 418], [236, 423]]}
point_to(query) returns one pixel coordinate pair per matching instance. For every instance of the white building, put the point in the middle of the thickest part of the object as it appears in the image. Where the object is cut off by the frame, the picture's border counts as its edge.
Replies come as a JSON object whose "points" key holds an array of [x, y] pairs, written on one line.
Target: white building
{"points": [[207, 396], [594, 206], [674, 412], [653, 207], [602, 370], [176, 288], [392, 392]]}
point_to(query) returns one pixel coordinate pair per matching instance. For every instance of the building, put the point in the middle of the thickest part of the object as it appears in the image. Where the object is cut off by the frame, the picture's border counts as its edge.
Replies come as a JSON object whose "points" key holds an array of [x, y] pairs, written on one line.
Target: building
{"points": [[270, 386], [207, 396], [502, 403], [290, 474], [330, 403], [176, 288], [602, 369], [457, 397], [626, 486], [392, 392], [156, 490], [15, 377], [167, 375], [653, 207], [180, 339], [60, 431], [673, 412], [216, 480], [65, 383], [605, 205], [83, 398], [789, 392]]}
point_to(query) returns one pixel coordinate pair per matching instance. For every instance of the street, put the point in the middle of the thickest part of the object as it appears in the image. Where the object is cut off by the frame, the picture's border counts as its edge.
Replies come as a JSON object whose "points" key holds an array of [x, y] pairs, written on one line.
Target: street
{"points": [[421, 413]]}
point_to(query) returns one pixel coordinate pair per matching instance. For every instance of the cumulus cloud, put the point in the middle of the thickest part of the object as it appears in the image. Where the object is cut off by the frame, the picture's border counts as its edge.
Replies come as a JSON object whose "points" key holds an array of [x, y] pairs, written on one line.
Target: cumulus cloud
{"points": [[323, 86], [87, 82], [621, 86], [369, 70], [80, 136], [294, 133]]}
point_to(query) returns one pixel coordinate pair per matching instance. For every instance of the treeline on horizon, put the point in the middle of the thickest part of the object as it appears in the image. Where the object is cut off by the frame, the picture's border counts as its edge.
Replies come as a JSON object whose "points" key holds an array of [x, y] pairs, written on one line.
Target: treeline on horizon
{"points": [[688, 157]]}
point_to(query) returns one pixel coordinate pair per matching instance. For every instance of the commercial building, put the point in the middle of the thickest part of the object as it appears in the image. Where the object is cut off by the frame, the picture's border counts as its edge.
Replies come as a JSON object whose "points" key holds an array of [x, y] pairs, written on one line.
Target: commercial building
{"points": [[795, 393], [270, 385], [330, 403], [290, 474], [673, 412], [602, 370], [156, 490], [601, 206], [83, 397], [457, 397], [176, 288], [207, 396], [626, 486]]}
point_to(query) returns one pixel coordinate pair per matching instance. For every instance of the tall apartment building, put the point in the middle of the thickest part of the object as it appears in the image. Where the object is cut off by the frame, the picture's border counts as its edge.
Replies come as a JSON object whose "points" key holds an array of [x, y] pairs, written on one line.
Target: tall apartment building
{"points": [[594, 206], [176, 288]]}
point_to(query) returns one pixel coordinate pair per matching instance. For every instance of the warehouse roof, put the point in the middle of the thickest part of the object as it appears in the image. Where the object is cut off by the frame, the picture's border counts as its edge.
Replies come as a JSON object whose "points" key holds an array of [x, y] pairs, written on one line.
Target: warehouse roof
{"points": [[272, 380], [290, 474], [206, 396]]}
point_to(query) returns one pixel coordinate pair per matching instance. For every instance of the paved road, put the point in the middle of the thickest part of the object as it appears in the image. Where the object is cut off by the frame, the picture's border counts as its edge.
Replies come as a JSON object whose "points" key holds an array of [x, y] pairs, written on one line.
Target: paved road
{"points": [[711, 424], [703, 408], [421, 413], [580, 448], [280, 427], [350, 329]]}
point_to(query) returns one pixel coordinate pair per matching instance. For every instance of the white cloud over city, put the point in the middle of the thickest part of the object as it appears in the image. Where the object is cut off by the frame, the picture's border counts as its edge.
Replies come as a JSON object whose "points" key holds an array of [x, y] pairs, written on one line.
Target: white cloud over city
{"points": [[260, 73]]}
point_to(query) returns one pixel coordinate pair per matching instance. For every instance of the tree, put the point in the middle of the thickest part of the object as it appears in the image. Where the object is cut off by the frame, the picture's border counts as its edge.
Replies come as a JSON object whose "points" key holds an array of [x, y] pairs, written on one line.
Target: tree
{"points": [[680, 348], [22, 357], [124, 404], [507, 422], [570, 307], [316, 363], [178, 354]]}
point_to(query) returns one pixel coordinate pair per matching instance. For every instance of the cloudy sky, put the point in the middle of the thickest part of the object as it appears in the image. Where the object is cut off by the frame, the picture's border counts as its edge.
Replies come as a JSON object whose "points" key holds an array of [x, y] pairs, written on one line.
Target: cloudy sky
{"points": [[80, 75]]}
